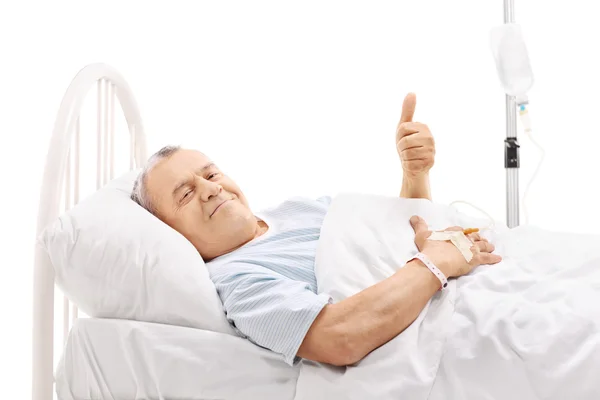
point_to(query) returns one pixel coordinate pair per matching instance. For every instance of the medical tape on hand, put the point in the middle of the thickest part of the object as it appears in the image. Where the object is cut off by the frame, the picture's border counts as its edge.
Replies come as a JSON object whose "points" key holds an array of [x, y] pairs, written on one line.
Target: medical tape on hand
{"points": [[458, 239]]}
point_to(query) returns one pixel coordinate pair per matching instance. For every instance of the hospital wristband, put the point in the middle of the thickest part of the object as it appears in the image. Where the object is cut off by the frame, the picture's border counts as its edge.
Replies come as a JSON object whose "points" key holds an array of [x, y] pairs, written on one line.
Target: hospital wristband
{"points": [[435, 270]]}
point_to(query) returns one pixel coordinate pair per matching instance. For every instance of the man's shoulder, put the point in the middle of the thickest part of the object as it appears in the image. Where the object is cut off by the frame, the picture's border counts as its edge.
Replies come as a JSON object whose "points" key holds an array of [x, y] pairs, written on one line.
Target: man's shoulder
{"points": [[296, 207], [303, 202]]}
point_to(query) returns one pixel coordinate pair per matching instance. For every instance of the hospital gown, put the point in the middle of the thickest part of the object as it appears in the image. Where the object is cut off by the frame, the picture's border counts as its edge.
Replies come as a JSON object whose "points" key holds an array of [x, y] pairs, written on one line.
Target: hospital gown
{"points": [[268, 286]]}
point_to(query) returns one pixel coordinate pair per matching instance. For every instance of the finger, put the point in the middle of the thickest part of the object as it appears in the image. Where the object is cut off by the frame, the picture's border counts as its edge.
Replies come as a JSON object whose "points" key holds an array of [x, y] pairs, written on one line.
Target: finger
{"points": [[416, 140], [410, 141], [411, 128], [475, 237], [408, 108], [418, 224], [415, 153], [489, 258], [454, 228], [402, 147], [485, 247]]}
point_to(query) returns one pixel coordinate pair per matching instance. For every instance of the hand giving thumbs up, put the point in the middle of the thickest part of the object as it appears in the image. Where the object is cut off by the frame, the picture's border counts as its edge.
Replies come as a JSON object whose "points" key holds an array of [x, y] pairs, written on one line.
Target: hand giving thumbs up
{"points": [[414, 141]]}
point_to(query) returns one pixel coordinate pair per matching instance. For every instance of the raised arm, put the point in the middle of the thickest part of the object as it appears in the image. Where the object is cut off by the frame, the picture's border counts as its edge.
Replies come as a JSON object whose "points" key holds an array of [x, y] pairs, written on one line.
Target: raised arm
{"points": [[416, 187], [416, 148], [347, 331]]}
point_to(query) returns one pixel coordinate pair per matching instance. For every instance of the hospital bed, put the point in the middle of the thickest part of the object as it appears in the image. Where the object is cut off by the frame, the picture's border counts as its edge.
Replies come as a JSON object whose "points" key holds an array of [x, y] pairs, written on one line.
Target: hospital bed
{"points": [[127, 358], [524, 329]]}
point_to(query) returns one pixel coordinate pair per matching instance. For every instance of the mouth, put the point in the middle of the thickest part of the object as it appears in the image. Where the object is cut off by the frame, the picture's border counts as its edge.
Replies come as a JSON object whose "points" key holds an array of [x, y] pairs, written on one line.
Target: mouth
{"points": [[218, 207]]}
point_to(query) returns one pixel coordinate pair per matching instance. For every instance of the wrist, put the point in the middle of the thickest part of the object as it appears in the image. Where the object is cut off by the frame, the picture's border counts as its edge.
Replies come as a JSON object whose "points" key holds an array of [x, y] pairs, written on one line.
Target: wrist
{"points": [[412, 176], [415, 185], [418, 267], [427, 263], [441, 263]]}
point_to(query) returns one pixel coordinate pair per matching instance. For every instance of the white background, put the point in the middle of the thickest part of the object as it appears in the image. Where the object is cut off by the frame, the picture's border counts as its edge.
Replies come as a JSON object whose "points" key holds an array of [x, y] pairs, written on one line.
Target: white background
{"points": [[300, 98]]}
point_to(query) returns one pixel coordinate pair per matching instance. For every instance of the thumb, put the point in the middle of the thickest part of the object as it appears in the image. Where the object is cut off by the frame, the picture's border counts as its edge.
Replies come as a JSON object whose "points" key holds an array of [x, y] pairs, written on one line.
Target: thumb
{"points": [[408, 108], [418, 224]]}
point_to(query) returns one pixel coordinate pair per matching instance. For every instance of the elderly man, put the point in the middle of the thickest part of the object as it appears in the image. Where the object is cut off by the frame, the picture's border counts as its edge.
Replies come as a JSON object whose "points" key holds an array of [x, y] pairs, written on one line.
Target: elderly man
{"points": [[262, 263]]}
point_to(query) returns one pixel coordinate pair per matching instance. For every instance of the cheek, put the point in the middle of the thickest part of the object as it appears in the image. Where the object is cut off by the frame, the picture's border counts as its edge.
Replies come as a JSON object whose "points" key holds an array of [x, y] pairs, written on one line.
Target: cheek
{"points": [[231, 187], [187, 220], [243, 199]]}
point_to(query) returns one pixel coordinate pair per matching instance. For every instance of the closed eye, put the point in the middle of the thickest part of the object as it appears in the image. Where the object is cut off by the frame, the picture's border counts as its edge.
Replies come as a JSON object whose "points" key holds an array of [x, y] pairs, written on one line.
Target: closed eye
{"points": [[212, 176], [186, 194]]}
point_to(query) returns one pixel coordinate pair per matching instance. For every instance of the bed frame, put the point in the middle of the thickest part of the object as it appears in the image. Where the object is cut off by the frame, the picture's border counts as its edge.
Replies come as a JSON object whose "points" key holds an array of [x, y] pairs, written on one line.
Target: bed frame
{"points": [[64, 150]]}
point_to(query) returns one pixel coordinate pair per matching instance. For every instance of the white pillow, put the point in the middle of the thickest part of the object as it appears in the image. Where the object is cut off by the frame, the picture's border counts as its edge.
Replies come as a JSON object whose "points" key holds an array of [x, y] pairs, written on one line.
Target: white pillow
{"points": [[115, 260]]}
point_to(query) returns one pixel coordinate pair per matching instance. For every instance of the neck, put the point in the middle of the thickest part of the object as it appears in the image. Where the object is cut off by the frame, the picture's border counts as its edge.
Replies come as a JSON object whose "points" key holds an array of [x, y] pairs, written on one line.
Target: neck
{"points": [[260, 229]]}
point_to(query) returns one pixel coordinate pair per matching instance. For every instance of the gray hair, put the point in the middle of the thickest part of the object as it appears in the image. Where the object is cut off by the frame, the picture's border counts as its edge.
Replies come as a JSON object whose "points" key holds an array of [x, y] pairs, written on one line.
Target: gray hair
{"points": [[139, 193]]}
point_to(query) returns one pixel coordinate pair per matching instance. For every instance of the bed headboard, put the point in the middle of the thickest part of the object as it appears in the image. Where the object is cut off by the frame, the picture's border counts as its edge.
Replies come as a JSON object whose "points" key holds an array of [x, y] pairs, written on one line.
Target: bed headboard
{"points": [[62, 164]]}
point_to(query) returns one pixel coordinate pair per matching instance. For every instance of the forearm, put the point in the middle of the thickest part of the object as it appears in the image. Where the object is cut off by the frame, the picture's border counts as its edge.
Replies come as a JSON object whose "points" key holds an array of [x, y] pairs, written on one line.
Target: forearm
{"points": [[361, 323], [416, 187]]}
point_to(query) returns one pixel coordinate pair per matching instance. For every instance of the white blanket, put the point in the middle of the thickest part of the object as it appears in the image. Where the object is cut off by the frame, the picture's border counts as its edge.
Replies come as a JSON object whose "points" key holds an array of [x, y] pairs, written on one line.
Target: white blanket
{"points": [[526, 328]]}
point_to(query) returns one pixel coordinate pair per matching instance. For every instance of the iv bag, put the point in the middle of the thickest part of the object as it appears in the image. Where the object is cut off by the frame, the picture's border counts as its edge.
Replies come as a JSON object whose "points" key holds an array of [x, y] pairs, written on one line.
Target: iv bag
{"points": [[512, 59]]}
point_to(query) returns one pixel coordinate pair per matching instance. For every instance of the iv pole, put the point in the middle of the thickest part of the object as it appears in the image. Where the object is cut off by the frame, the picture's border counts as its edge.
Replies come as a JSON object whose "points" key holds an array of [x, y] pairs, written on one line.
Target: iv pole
{"points": [[511, 145]]}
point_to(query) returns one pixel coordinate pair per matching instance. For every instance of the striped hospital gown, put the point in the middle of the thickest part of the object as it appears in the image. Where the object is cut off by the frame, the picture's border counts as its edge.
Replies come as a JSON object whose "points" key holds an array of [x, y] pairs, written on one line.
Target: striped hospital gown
{"points": [[268, 286]]}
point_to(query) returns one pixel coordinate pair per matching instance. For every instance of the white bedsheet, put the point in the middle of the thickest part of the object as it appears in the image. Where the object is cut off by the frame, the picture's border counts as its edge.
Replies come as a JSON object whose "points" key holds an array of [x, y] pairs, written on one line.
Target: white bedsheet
{"points": [[526, 328], [127, 360]]}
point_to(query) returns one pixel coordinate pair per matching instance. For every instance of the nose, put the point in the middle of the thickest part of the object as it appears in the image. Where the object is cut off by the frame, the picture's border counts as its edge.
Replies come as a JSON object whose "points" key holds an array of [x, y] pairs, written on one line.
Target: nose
{"points": [[209, 189]]}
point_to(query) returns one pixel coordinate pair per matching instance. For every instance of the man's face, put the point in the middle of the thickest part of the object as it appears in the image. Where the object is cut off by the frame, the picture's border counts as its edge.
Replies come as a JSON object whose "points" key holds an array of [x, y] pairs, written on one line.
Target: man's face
{"points": [[190, 194]]}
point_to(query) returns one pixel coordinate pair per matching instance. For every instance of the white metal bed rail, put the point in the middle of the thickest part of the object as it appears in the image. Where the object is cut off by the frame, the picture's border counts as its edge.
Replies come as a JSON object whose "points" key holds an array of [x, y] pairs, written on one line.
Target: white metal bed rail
{"points": [[57, 177]]}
